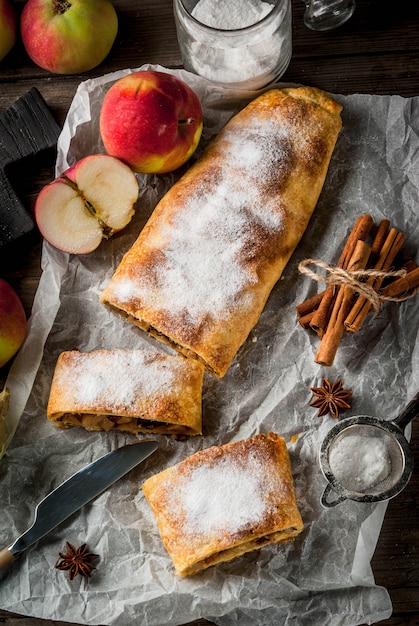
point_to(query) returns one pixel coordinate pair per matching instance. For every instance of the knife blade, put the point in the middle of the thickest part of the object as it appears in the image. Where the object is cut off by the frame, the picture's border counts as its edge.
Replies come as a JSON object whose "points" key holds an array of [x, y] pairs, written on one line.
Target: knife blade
{"points": [[76, 491]]}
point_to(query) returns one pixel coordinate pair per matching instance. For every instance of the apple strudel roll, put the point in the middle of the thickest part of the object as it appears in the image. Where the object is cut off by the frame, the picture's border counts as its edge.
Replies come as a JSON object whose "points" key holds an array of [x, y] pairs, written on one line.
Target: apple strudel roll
{"points": [[225, 501], [200, 272], [136, 391]]}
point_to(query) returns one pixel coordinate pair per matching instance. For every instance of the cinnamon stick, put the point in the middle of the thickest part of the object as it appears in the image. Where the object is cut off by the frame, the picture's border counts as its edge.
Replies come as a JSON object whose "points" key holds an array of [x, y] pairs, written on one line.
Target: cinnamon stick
{"points": [[409, 265], [359, 232], [335, 328], [309, 305], [362, 306], [304, 320], [378, 241], [403, 285]]}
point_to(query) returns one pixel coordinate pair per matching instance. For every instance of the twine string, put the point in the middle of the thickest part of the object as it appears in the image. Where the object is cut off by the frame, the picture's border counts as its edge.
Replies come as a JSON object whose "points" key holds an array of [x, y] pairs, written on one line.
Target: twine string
{"points": [[339, 276]]}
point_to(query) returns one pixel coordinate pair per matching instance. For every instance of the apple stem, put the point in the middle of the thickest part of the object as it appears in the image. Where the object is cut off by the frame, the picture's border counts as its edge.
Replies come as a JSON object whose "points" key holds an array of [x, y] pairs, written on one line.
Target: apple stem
{"points": [[188, 120], [61, 6], [69, 181]]}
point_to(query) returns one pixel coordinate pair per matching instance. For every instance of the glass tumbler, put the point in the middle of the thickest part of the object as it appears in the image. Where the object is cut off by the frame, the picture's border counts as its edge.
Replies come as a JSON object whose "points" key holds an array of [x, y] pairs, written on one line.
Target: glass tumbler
{"points": [[327, 14], [249, 57]]}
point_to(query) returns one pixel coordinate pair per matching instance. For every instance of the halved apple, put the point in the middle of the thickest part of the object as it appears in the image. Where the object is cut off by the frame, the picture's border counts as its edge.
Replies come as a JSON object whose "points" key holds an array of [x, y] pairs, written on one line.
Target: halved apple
{"points": [[89, 202]]}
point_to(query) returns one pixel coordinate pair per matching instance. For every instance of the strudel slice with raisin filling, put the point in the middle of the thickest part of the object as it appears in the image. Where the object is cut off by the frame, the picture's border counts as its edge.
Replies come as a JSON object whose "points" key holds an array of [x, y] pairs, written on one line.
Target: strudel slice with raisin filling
{"points": [[137, 391], [225, 501]]}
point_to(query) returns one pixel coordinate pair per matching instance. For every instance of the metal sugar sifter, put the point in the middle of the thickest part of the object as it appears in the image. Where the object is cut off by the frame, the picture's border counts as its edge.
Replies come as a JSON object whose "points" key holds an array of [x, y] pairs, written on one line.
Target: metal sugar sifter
{"points": [[371, 433]]}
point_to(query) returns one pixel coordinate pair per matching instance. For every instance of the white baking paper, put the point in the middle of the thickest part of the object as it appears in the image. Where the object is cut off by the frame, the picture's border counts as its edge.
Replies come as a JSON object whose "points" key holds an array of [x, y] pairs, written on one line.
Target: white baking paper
{"points": [[324, 576]]}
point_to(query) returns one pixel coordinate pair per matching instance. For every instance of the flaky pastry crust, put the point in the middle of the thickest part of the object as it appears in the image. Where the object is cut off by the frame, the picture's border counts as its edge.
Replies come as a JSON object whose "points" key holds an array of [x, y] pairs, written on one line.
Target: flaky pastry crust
{"points": [[201, 271], [135, 391], [225, 501]]}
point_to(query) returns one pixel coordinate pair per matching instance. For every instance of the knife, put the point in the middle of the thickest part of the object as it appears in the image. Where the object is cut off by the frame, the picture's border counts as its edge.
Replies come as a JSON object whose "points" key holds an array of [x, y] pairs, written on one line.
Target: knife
{"points": [[76, 491]]}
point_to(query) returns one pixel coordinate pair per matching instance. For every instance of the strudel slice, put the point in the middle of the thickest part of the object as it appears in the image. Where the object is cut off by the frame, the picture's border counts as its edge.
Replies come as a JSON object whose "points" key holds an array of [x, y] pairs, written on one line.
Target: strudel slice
{"points": [[137, 391], [200, 272], [225, 501]]}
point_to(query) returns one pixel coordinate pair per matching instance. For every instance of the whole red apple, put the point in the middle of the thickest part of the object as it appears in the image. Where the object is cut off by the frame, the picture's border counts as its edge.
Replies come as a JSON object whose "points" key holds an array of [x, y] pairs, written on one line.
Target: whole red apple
{"points": [[152, 121], [7, 27], [90, 201], [12, 322], [68, 36]]}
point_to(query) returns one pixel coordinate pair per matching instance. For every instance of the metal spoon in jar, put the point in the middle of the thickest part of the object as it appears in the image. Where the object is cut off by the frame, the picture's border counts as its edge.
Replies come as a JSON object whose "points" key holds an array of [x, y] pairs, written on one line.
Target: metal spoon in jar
{"points": [[393, 460]]}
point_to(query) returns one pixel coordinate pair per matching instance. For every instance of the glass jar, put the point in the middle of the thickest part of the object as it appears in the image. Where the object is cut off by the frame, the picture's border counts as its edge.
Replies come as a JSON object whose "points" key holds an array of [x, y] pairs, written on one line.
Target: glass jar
{"points": [[249, 57]]}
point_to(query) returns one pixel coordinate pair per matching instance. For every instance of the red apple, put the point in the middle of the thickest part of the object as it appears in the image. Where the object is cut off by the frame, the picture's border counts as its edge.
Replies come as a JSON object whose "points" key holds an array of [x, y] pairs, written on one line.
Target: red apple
{"points": [[152, 121], [12, 322], [90, 201], [7, 27], [68, 36]]}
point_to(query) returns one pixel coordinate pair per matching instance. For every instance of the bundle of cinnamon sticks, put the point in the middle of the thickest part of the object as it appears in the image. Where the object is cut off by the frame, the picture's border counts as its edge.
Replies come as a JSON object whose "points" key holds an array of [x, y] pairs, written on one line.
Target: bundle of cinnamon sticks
{"points": [[345, 303]]}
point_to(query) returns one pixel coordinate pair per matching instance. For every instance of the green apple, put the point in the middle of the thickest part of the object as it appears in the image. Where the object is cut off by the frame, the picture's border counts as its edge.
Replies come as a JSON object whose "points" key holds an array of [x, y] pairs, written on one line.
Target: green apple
{"points": [[12, 322], [68, 36], [152, 121], [7, 27]]}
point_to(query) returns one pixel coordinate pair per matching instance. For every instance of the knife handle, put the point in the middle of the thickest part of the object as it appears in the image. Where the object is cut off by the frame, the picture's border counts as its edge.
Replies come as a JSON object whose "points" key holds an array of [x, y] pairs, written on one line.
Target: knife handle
{"points": [[6, 557]]}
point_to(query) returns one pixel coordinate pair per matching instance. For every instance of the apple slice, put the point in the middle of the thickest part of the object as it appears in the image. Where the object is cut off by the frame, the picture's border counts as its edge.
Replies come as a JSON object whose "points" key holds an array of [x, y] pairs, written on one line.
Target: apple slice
{"points": [[89, 202]]}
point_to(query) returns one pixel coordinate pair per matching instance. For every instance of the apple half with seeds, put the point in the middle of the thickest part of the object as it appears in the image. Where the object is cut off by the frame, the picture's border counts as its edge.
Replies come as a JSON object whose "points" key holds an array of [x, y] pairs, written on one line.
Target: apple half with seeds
{"points": [[90, 201]]}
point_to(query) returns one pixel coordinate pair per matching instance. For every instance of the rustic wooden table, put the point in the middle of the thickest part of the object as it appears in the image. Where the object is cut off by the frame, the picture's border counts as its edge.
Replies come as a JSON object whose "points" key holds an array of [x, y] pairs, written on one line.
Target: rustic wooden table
{"points": [[376, 52]]}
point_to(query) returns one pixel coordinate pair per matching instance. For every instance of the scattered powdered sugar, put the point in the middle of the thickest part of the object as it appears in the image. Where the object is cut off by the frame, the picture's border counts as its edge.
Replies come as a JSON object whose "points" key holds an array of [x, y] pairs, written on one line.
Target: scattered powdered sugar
{"points": [[224, 496], [360, 462], [115, 378], [202, 268], [232, 14]]}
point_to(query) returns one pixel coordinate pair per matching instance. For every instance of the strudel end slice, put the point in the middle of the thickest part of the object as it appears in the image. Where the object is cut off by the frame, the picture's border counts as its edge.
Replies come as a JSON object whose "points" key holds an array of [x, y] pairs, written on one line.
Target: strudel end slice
{"points": [[225, 501], [137, 391]]}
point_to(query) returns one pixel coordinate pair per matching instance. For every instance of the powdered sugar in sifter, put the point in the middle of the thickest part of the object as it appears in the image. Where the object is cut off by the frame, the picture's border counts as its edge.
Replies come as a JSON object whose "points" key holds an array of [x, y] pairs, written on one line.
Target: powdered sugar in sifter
{"points": [[375, 453]]}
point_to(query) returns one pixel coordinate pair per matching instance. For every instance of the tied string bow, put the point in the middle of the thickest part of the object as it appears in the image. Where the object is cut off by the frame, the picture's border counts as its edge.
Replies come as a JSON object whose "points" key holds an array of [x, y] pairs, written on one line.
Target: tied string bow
{"points": [[353, 279]]}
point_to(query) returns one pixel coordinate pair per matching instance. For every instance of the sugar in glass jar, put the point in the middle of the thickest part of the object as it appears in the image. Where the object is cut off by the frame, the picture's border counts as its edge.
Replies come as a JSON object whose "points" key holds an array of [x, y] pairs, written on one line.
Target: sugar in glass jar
{"points": [[244, 44]]}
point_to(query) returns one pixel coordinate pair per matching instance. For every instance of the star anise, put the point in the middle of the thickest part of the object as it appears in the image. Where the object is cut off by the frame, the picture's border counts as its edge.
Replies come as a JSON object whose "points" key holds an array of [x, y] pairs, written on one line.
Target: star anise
{"points": [[76, 561], [330, 398]]}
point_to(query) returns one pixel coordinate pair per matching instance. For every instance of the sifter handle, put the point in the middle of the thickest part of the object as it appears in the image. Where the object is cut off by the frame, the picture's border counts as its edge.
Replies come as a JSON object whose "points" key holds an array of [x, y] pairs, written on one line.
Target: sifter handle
{"points": [[328, 503], [408, 414]]}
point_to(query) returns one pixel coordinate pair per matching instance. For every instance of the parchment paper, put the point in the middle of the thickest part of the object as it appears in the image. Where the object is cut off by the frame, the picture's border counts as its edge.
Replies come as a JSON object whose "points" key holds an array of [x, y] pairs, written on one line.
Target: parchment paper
{"points": [[324, 577]]}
